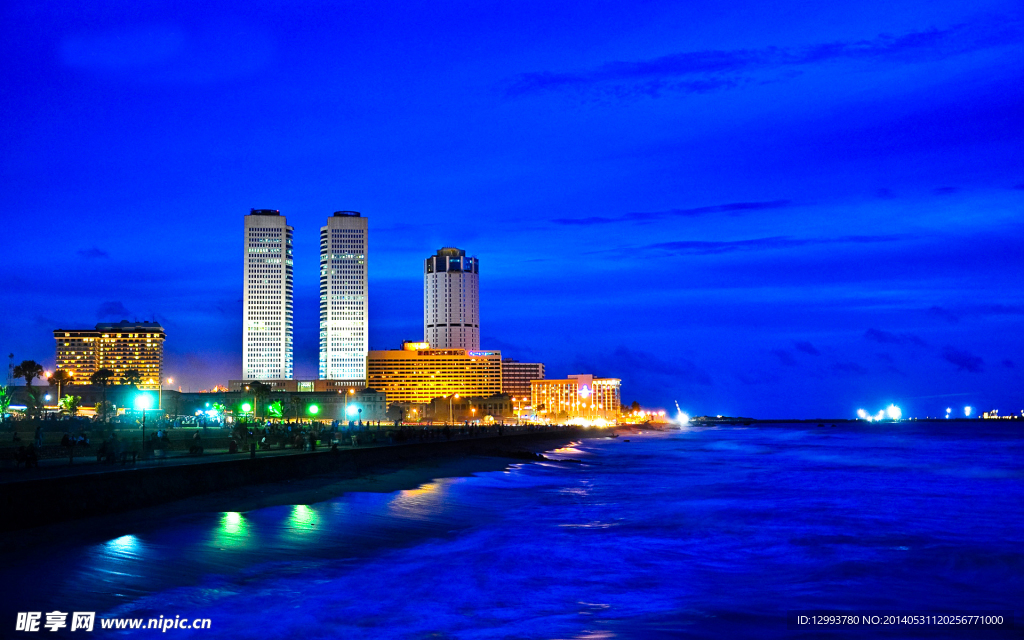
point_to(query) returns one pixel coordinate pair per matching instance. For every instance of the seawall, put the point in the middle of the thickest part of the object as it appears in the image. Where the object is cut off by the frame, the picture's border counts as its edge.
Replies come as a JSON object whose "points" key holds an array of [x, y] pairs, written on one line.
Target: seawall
{"points": [[34, 502]]}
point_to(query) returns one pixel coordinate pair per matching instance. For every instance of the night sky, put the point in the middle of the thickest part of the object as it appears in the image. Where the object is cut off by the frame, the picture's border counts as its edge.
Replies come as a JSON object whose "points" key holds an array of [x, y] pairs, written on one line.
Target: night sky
{"points": [[782, 209]]}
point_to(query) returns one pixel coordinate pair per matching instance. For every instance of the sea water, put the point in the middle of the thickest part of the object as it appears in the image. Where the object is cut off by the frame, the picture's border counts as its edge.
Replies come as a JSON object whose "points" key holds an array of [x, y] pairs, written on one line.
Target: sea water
{"points": [[702, 533]]}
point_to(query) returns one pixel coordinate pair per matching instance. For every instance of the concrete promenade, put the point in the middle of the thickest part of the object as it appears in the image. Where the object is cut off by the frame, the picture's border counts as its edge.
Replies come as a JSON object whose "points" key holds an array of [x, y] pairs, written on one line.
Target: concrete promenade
{"points": [[58, 492]]}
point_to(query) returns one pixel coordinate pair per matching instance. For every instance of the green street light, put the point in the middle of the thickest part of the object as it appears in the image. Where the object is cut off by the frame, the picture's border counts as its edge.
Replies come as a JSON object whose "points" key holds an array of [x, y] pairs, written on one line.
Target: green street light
{"points": [[246, 407], [313, 409], [143, 402]]}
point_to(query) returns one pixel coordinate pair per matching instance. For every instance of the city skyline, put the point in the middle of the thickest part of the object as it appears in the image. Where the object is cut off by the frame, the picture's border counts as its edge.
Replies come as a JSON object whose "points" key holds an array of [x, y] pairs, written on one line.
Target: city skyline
{"points": [[782, 211]]}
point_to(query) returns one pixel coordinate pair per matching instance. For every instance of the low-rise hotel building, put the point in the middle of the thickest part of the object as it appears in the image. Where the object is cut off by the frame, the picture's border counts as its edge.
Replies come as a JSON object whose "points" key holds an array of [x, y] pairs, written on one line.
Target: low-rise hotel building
{"points": [[119, 347], [418, 374], [578, 396]]}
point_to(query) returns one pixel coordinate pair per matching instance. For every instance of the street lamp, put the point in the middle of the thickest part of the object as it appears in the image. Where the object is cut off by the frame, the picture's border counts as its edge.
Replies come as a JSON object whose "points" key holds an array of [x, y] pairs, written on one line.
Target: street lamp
{"points": [[143, 402], [450, 418], [160, 400], [350, 392]]}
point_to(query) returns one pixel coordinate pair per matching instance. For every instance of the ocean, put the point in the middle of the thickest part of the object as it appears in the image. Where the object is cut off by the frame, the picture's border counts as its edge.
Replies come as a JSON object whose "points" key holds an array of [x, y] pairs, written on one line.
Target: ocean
{"points": [[701, 533]]}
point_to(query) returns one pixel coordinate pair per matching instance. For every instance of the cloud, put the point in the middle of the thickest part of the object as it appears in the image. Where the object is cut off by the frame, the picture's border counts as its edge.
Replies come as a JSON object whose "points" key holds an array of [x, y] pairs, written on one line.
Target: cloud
{"points": [[93, 253], [680, 369], [1008, 364], [944, 314], [732, 208], [708, 247], [757, 378], [944, 191], [784, 357], [711, 70], [885, 337], [112, 309], [807, 348], [164, 53], [849, 367], [963, 360]]}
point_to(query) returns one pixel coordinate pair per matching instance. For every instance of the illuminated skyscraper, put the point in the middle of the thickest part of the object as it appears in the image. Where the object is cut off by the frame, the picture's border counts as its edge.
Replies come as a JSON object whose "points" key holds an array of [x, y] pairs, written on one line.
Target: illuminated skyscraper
{"points": [[343, 297], [451, 300], [267, 302]]}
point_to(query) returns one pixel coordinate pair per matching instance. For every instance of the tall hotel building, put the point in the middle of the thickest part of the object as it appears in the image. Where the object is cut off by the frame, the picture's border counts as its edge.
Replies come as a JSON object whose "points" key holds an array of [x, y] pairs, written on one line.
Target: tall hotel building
{"points": [[343, 301], [119, 347], [451, 300], [267, 302]]}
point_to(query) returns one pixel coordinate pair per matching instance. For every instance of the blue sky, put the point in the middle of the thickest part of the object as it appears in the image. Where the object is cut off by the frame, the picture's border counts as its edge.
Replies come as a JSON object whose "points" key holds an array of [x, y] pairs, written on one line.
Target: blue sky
{"points": [[769, 209]]}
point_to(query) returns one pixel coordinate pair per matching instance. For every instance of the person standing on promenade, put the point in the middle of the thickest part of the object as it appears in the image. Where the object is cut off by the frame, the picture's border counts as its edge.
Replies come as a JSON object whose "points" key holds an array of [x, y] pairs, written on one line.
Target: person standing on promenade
{"points": [[39, 436]]}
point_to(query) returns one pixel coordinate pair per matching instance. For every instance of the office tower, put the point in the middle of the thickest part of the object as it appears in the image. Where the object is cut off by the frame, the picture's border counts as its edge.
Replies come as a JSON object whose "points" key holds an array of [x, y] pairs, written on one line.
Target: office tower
{"points": [[119, 346], [343, 297], [451, 300], [267, 301], [516, 376]]}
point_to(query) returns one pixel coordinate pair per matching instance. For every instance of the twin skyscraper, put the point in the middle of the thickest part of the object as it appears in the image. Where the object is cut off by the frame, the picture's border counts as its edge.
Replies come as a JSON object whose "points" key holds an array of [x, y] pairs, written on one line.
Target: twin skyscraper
{"points": [[451, 310]]}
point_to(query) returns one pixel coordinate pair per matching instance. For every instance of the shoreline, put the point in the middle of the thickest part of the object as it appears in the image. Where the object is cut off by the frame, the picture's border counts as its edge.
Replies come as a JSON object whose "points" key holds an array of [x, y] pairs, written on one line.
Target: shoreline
{"points": [[379, 478]]}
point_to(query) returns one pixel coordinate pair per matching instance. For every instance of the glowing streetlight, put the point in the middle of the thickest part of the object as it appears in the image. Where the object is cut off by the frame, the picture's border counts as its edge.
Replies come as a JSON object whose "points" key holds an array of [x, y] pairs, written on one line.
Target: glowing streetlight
{"points": [[143, 402], [967, 412], [450, 418], [313, 409], [863, 415], [894, 412]]}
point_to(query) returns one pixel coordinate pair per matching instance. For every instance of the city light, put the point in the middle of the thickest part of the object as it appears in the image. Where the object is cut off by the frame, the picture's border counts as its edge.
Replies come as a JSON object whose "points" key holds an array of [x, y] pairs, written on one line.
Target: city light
{"points": [[143, 402], [246, 407], [894, 412], [967, 412], [352, 410], [863, 415], [313, 409]]}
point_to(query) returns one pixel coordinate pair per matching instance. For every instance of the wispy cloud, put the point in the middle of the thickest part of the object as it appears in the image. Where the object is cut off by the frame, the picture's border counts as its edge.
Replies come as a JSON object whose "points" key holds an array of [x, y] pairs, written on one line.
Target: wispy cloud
{"points": [[711, 70], [849, 367], [113, 309], [706, 247], [807, 348], [784, 357], [885, 337], [732, 208], [963, 360], [93, 253]]}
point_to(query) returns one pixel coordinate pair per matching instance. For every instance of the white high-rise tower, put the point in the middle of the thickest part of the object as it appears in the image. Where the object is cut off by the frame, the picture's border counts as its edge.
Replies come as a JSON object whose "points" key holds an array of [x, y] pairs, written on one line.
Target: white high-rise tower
{"points": [[267, 301], [451, 300], [343, 297]]}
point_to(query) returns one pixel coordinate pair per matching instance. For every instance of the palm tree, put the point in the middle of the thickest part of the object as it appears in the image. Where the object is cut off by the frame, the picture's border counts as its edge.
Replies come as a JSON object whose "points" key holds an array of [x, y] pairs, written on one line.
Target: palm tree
{"points": [[70, 404], [60, 378], [295, 403], [30, 370], [259, 392], [102, 377], [132, 377]]}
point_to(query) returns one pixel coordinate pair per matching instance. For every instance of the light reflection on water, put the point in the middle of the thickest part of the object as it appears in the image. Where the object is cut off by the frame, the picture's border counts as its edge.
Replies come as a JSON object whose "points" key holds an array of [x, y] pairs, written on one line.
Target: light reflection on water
{"points": [[696, 533]]}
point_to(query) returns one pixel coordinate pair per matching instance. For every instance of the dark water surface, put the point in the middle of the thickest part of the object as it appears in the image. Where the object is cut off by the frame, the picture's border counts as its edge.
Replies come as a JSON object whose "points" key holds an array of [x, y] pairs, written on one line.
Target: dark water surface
{"points": [[705, 533]]}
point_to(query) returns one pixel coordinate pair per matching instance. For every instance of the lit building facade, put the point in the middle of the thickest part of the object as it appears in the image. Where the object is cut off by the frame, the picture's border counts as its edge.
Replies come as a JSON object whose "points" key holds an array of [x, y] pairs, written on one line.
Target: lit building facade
{"points": [[516, 377], [417, 375], [451, 300], [344, 319], [267, 299], [120, 347], [578, 396]]}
